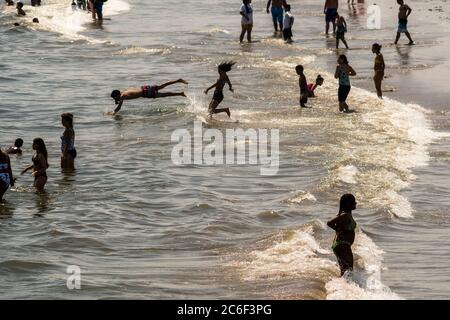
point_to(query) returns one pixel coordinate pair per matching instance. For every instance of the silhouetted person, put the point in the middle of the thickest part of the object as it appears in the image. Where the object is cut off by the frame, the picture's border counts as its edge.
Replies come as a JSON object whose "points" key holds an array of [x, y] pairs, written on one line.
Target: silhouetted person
{"points": [[20, 11], [379, 68], [15, 149], [345, 226], [403, 13]]}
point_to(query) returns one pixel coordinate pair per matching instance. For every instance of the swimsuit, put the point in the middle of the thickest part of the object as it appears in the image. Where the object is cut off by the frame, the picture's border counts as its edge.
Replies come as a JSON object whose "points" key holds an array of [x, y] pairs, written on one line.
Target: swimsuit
{"points": [[340, 31], [150, 91], [70, 146], [330, 14], [36, 163], [351, 226], [218, 96], [378, 63], [402, 25]]}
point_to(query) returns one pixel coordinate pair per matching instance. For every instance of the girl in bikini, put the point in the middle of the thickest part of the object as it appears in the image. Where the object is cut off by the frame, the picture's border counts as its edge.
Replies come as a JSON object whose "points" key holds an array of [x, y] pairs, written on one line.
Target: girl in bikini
{"points": [[345, 226], [379, 68], [40, 164]]}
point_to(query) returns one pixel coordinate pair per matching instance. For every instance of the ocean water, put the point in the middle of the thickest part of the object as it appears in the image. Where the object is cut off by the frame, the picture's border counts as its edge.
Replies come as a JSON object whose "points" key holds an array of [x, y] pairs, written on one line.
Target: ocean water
{"points": [[140, 226]]}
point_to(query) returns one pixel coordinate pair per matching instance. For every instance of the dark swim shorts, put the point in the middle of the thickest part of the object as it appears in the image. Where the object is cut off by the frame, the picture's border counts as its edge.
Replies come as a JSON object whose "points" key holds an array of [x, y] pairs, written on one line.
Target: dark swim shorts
{"points": [[150, 92], [218, 96], [330, 14]]}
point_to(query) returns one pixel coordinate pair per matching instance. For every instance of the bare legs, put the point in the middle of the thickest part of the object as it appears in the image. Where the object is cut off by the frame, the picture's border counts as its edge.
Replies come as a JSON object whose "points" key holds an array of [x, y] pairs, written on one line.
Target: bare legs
{"points": [[343, 40], [343, 106], [171, 94], [408, 35], [378, 78], [39, 183], [67, 161], [170, 83], [246, 28], [327, 28], [212, 108]]}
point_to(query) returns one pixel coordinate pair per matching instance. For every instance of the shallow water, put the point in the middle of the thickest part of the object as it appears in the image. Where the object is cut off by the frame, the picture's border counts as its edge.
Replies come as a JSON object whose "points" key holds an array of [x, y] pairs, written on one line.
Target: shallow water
{"points": [[140, 226]]}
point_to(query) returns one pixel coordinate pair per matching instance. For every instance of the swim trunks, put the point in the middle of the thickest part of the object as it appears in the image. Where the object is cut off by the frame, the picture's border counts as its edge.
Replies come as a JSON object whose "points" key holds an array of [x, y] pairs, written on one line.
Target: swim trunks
{"points": [[330, 14], [150, 92], [402, 25]]}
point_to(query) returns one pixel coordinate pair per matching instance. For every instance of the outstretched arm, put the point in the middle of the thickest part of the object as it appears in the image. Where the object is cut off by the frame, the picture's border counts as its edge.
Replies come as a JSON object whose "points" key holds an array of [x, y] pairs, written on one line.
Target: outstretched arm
{"points": [[26, 169], [229, 84], [117, 109], [268, 5], [213, 86]]}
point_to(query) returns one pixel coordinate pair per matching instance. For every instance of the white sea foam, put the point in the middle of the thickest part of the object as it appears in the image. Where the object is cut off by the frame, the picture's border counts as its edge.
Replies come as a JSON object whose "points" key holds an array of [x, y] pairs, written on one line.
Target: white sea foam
{"points": [[57, 16], [302, 196], [141, 50], [347, 174], [288, 255], [365, 281]]}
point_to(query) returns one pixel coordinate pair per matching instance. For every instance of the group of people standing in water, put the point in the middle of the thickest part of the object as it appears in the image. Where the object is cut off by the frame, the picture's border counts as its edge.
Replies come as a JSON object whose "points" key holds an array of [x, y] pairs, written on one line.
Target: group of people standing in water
{"points": [[39, 160], [343, 224]]}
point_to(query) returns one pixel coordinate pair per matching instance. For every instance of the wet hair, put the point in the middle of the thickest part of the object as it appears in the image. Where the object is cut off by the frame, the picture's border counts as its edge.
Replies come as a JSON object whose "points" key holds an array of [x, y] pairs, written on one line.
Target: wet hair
{"points": [[299, 68], [226, 66], [346, 204], [287, 7], [40, 147], [68, 117], [319, 78], [16, 24], [115, 93], [343, 57], [377, 47], [19, 4], [18, 143], [247, 9], [35, 20]]}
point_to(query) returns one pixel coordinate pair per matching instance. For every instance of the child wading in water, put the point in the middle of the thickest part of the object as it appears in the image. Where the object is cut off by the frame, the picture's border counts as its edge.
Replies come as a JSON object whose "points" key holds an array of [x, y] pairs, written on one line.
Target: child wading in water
{"points": [[303, 84], [68, 151], [247, 20], [287, 24], [403, 13], [379, 68], [6, 176], [144, 92], [343, 72], [40, 164], [341, 29], [223, 68]]}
